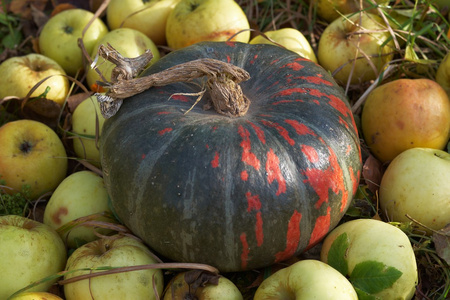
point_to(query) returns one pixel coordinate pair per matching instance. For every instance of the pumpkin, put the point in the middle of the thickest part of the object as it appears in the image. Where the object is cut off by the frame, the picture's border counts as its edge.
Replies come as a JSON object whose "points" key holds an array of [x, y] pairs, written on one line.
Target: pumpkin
{"points": [[242, 192]]}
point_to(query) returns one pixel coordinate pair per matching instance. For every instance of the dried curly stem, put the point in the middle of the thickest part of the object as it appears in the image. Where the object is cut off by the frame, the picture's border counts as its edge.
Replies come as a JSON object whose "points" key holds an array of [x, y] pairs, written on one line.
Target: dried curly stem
{"points": [[222, 82]]}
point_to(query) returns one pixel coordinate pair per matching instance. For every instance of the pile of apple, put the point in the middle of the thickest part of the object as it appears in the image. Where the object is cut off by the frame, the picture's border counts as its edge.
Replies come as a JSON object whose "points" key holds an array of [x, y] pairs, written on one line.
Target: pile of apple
{"points": [[405, 125]]}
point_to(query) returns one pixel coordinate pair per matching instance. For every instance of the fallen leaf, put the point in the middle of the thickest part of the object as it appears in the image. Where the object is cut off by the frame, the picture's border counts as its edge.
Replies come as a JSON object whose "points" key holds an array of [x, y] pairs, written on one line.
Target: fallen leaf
{"points": [[441, 241], [372, 173], [23, 8]]}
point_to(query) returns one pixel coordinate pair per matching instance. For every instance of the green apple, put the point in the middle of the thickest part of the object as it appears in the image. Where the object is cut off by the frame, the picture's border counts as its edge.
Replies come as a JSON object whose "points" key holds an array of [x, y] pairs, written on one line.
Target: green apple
{"points": [[365, 249], [404, 114], [291, 39], [129, 43], [361, 36], [29, 251], [330, 10], [31, 154], [147, 16], [59, 37], [36, 296], [21, 73], [443, 73], [79, 195], [304, 280], [87, 121], [193, 21], [416, 183], [117, 251], [179, 289]]}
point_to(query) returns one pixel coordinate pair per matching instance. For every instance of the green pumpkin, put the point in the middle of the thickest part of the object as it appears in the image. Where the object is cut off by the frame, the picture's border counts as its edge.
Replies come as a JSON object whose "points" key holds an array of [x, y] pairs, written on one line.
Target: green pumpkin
{"points": [[234, 192]]}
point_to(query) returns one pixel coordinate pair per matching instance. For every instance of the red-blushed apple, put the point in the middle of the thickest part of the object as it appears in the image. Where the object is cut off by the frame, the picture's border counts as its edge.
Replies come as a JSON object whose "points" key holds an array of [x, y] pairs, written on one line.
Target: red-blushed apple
{"points": [[193, 21], [355, 48], [31, 153], [59, 37], [35, 296], [80, 194], [116, 251], [179, 289], [129, 43], [330, 10], [416, 183], [291, 39], [147, 16], [364, 249], [404, 114], [29, 251], [304, 280], [21, 73], [87, 123]]}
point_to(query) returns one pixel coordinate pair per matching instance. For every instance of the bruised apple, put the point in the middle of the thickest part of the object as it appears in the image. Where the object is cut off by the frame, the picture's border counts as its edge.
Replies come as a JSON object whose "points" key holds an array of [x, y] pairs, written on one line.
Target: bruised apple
{"points": [[79, 195], [179, 288], [193, 21], [404, 114], [364, 249], [416, 183], [304, 280], [355, 48], [291, 39]]}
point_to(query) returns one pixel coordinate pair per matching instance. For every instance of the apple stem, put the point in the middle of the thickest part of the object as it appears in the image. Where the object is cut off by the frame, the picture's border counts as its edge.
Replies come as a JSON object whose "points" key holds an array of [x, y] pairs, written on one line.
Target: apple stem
{"points": [[222, 82]]}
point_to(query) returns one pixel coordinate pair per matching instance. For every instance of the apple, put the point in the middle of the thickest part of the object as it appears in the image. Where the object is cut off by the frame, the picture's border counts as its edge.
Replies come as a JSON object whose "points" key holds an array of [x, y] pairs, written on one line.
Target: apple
{"points": [[364, 249], [59, 37], [129, 43], [21, 73], [31, 154], [87, 121], [352, 44], [116, 251], [403, 114], [416, 183], [29, 251], [80, 194], [193, 21], [147, 16], [35, 296], [291, 39], [330, 10], [179, 289], [443, 73], [304, 280]]}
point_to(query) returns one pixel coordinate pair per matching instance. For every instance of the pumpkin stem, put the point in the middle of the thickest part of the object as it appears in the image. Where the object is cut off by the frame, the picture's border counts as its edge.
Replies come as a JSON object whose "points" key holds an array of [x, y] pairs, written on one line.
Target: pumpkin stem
{"points": [[222, 81]]}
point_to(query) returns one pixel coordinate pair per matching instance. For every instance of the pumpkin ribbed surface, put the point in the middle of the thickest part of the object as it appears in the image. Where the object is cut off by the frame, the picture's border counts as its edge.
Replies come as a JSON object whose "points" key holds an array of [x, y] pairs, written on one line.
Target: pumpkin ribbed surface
{"points": [[237, 193]]}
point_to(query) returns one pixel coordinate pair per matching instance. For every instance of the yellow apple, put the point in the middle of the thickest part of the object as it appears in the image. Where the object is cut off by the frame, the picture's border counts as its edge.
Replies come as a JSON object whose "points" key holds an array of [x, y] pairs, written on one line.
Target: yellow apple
{"points": [[29, 251], [179, 289], [330, 10], [85, 119], [129, 43], [291, 39], [443, 73], [59, 37], [147, 16], [360, 36], [35, 296], [403, 114], [304, 280], [193, 21], [117, 251], [21, 73], [79, 195], [31, 153], [416, 183], [364, 249]]}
